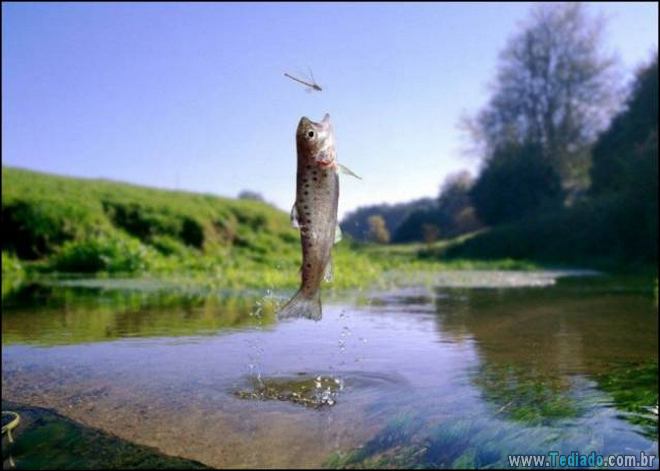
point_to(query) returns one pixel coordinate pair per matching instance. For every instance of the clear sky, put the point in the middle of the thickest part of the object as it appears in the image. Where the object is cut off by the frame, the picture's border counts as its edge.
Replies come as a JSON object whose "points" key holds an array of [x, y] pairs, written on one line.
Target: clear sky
{"points": [[192, 96]]}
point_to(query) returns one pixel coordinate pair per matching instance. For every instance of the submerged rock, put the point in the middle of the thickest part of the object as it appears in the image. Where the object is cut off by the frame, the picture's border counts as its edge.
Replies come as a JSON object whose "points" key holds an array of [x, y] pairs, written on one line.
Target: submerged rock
{"points": [[314, 392]]}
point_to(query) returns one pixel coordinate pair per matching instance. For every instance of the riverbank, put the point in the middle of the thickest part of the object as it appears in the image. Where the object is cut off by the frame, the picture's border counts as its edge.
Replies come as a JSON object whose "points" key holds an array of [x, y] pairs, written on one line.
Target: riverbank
{"points": [[57, 227]]}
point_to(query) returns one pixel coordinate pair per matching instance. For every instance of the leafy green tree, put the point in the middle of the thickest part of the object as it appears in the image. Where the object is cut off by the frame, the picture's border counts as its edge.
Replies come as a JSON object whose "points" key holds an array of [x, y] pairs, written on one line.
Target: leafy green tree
{"points": [[622, 154], [555, 89], [625, 169], [356, 223], [430, 232], [378, 230], [452, 214], [514, 184]]}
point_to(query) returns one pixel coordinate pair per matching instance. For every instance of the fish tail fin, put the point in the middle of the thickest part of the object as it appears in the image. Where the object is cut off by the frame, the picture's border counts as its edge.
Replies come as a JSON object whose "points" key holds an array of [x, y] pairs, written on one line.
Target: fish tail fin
{"points": [[302, 305]]}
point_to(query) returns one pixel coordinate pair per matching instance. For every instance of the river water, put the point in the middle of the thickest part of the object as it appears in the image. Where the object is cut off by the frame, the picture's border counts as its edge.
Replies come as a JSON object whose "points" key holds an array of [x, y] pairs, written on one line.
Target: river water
{"points": [[461, 371]]}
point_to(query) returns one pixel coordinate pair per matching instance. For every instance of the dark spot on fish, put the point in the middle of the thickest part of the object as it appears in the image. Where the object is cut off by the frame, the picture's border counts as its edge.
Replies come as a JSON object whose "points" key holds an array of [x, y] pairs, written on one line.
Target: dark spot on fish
{"points": [[315, 179], [307, 192]]}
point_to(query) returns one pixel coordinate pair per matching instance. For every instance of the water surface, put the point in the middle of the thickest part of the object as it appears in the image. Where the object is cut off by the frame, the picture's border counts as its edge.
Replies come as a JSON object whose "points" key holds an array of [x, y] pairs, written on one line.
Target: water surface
{"points": [[457, 372]]}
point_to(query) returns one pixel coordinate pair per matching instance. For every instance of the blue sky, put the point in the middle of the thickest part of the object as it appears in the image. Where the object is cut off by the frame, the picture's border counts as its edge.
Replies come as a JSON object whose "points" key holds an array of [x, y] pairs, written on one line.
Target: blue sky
{"points": [[192, 96]]}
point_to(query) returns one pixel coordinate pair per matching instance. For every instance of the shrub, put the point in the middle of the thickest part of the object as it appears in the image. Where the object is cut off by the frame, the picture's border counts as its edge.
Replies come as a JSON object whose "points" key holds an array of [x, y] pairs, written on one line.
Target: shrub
{"points": [[109, 253], [12, 273]]}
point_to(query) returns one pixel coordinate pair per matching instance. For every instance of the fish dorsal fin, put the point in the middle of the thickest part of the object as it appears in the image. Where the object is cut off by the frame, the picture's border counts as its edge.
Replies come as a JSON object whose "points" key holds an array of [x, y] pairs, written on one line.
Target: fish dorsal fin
{"points": [[337, 233], [328, 272], [347, 171], [294, 217]]}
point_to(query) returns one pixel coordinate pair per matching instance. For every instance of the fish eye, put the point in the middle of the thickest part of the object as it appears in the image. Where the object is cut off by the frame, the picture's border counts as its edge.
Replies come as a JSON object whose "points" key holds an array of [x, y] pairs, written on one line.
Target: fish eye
{"points": [[310, 134]]}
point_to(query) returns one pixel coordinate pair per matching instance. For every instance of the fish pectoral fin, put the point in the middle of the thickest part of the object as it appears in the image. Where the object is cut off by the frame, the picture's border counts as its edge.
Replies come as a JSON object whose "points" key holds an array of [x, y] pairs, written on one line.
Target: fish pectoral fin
{"points": [[347, 171], [337, 233], [294, 217], [328, 274]]}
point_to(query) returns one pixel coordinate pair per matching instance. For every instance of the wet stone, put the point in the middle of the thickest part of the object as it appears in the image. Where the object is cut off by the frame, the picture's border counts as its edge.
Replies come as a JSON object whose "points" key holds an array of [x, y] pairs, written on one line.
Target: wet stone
{"points": [[314, 392]]}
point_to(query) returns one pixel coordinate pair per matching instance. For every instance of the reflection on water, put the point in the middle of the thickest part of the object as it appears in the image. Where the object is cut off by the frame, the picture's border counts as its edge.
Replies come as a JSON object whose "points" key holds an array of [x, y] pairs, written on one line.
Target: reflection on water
{"points": [[457, 375], [49, 315]]}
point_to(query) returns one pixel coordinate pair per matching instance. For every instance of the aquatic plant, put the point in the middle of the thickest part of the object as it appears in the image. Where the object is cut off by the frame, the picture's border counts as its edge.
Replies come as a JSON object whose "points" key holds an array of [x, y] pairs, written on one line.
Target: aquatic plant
{"points": [[634, 389]]}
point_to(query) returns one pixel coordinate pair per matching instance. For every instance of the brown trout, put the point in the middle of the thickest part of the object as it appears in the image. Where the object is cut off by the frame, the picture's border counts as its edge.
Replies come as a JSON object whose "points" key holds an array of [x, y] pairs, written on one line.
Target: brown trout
{"points": [[315, 213]]}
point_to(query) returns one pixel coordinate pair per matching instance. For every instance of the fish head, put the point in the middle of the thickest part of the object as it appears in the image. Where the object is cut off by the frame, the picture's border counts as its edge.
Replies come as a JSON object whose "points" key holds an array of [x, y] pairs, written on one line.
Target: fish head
{"points": [[316, 142]]}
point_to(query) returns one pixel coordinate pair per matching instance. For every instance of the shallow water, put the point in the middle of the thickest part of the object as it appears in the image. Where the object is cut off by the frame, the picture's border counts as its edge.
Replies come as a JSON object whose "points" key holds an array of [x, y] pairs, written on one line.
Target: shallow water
{"points": [[461, 371]]}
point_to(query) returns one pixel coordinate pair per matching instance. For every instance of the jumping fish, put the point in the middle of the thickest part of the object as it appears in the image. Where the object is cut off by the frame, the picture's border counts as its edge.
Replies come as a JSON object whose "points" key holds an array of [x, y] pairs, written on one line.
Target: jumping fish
{"points": [[315, 213]]}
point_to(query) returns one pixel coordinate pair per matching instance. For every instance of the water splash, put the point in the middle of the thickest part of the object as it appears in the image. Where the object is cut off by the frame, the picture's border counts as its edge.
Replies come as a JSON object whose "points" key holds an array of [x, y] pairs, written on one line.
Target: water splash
{"points": [[314, 392], [256, 349]]}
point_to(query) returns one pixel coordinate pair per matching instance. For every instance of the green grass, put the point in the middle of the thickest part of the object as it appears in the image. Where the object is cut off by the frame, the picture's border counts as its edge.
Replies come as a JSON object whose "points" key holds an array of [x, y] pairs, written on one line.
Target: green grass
{"points": [[13, 273], [61, 225]]}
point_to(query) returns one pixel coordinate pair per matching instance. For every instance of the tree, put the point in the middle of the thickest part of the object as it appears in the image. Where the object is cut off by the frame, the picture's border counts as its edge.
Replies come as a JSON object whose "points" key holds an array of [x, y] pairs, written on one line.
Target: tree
{"points": [[250, 195], [625, 169], [515, 183], [455, 193], [454, 200], [412, 228], [378, 230], [618, 155], [466, 221], [356, 223], [430, 233], [555, 89]]}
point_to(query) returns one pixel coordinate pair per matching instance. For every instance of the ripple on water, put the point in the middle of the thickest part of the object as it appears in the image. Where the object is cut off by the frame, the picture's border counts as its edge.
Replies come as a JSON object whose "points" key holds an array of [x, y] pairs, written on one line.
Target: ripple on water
{"points": [[315, 391]]}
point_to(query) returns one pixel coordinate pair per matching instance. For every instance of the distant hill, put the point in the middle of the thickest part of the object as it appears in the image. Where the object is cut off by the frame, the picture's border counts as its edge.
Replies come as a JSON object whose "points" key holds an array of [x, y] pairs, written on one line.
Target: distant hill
{"points": [[42, 213]]}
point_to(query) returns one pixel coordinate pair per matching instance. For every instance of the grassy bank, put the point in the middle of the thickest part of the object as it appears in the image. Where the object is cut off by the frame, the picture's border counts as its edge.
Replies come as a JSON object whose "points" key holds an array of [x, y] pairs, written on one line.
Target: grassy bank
{"points": [[600, 235], [61, 225], [54, 225]]}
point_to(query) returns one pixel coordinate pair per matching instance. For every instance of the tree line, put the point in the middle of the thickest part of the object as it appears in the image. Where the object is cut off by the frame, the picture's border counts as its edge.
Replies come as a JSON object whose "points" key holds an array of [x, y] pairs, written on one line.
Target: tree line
{"points": [[559, 146]]}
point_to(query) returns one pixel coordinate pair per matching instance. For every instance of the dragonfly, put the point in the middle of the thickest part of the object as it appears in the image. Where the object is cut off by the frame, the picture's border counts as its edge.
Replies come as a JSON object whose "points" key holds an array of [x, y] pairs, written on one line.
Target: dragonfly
{"points": [[311, 84]]}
